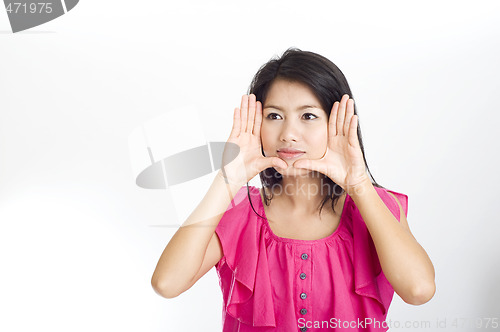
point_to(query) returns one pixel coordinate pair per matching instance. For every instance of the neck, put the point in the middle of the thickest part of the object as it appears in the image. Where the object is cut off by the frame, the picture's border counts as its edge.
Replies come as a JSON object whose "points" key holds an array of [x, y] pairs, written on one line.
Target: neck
{"points": [[302, 195]]}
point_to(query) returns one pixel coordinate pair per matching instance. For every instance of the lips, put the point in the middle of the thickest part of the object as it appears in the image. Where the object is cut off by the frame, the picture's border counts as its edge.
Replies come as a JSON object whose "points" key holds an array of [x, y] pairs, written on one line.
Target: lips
{"points": [[287, 153]]}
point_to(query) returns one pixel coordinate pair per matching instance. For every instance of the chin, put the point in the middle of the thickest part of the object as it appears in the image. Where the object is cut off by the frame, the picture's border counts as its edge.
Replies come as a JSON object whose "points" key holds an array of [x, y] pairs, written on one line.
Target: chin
{"points": [[292, 171]]}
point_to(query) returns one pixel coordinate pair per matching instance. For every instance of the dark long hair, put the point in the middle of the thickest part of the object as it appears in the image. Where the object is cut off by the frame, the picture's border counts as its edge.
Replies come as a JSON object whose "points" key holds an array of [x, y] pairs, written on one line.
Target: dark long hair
{"points": [[328, 84]]}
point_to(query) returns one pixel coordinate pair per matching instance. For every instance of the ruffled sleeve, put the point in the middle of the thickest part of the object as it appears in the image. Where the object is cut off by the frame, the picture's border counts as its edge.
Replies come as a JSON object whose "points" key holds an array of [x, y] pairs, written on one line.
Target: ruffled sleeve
{"points": [[369, 278], [247, 294]]}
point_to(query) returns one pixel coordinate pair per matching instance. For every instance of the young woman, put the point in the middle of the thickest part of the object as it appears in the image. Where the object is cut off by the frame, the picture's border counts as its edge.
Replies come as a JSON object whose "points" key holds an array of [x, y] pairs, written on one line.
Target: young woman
{"points": [[321, 246]]}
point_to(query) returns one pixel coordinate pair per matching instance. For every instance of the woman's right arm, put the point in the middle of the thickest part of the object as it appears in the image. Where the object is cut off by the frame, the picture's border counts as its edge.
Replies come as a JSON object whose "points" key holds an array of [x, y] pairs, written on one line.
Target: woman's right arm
{"points": [[195, 248]]}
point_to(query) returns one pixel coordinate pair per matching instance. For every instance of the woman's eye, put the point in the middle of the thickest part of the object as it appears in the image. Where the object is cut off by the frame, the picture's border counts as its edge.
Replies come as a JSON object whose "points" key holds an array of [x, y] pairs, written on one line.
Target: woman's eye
{"points": [[306, 114], [269, 116]]}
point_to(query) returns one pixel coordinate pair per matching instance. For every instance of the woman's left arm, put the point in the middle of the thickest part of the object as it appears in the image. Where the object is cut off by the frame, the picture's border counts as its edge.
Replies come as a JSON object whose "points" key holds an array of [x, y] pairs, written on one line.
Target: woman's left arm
{"points": [[404, 262]]}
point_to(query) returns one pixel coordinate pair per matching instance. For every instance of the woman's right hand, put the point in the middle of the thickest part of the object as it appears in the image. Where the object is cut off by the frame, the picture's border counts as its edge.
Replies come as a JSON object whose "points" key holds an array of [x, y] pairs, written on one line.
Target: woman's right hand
{"points": [[242, 158]]}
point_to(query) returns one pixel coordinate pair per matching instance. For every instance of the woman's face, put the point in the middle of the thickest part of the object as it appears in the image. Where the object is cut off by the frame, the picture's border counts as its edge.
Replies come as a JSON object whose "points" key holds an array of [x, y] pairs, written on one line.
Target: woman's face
{"points": [[293, 118]]}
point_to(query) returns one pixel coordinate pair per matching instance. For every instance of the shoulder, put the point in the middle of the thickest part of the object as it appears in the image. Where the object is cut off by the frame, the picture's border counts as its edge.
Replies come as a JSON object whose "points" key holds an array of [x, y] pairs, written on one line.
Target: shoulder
{"points": [[240, 204], [399, 203], [393, 199], [241, 198]]}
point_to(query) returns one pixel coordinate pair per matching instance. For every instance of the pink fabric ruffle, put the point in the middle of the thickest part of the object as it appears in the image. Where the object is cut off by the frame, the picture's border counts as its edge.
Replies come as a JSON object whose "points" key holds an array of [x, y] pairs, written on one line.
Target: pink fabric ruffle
{"points": [[250, 296]]}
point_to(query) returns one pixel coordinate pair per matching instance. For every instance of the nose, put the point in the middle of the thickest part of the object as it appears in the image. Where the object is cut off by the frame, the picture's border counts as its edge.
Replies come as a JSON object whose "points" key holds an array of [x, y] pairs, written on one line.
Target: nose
{"points": [[289, 132]]}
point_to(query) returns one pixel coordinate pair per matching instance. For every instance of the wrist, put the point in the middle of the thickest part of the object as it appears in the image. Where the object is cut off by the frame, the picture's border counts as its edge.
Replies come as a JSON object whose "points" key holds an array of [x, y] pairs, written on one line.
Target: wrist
{"points": [[233, 186], [360, 188]]}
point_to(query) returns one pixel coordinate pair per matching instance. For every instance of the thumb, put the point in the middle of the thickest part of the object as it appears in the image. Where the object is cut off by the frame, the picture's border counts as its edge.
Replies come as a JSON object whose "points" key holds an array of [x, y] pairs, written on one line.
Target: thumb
{"points": [[278, 162], [274, 162], [306, 163]]}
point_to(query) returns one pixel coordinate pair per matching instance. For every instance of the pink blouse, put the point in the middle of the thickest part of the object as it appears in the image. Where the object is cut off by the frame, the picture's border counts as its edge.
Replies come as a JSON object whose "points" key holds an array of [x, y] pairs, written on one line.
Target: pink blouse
{"points": [[270, 283]]}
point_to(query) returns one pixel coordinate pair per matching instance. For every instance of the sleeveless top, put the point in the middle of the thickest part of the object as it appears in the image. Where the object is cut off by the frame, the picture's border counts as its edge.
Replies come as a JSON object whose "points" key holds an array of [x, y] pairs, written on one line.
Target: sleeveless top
{"points": [[270, 283]]}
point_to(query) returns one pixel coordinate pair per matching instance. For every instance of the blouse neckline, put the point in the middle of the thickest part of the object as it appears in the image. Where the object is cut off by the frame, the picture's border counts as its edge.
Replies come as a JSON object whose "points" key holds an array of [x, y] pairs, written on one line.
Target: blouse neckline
{"points": [[299, 241]]}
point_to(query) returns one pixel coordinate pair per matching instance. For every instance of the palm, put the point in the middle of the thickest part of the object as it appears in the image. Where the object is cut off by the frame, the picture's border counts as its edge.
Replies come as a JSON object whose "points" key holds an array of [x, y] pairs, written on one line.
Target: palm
{"points": [[242, 158], [248, 154], [343, 161]]}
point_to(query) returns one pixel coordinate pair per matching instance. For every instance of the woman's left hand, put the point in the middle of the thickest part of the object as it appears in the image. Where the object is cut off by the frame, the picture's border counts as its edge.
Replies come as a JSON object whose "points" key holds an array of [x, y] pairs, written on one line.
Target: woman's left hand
{"points": [[343, 161]]}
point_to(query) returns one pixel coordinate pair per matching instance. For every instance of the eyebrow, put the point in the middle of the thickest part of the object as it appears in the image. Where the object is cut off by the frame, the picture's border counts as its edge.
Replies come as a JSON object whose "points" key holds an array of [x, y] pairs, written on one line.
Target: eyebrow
{"points": [[298, 109]]}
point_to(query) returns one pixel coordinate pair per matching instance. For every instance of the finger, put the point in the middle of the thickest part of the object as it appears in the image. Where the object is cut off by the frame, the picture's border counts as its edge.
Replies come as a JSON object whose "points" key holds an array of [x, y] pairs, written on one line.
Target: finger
{"points": [[235, 131], [341, 115], [348, 115], [332, 124], [244, 113], [312, 165], [308, 164], [353, 131], [266, 162], [251, 113], [278, 162], [258, 119]]}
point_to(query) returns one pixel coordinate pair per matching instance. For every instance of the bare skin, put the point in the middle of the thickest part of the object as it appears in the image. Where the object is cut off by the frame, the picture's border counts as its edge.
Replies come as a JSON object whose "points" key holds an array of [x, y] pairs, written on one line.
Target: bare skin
{"points": [[293, 227]]}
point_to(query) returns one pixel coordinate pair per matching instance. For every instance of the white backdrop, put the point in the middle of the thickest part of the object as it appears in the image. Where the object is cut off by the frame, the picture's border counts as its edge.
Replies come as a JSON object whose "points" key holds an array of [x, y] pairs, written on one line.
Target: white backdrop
{"points": [[79, 240]]}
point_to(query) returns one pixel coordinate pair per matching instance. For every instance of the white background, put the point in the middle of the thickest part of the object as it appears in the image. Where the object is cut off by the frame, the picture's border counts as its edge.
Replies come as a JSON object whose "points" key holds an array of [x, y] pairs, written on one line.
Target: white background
{"points": [[79, 241]]}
